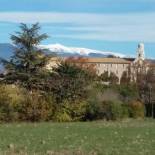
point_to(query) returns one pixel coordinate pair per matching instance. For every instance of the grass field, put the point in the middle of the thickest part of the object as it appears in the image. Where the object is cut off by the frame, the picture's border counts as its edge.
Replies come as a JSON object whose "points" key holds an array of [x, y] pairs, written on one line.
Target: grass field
{"points": [[131, 137]]}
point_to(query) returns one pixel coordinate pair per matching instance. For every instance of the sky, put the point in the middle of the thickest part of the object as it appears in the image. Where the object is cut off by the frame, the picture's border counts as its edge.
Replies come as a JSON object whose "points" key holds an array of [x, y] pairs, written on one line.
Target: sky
{"points": [[107, 25]]}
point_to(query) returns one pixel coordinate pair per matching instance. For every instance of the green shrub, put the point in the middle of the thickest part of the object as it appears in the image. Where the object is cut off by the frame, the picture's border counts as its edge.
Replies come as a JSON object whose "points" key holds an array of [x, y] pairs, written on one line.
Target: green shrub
{"points": [[109, 110], [118, 110], [137, 109], [8, 106], [92, 111], [17, 104], [4, 108], [128, 92], [62, 115], [78, 110], [15, 93], [105, 110], [108, 103], [35, 107], [126, 111], [67, 111], [109, 77], [97, 108]]}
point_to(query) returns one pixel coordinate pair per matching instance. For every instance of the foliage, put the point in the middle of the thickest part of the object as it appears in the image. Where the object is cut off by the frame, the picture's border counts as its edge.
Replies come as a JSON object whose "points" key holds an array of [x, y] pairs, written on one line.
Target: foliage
{"points": [[110, 102], [11, 98], [71, 91], [35, 107], [137, 109], [113, 78], [146, 85], [5, 109], [92, 111], [62, 116], [94, 100], [82, 63], [109, 77], [104, 77], [67, 111], [17, 104], [78, 110], [125, 79], [70, 82], [128, 92], [112, 110], [118, 110], [26, 66], [15, 93], [108, 110]]}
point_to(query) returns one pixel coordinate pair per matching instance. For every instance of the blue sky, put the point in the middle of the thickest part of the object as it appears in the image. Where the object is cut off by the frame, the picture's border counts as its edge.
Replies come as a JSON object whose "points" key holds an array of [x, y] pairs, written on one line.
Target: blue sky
{"points": [[114, 25]]}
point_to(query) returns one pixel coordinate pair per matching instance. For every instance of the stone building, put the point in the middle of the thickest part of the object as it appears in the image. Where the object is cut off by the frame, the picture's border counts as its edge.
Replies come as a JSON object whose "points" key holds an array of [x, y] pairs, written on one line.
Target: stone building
{"points": [[113, 65]]}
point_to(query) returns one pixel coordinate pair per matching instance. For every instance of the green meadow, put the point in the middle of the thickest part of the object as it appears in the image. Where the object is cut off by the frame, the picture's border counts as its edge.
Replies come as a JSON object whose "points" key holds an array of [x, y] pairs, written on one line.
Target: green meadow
{"points": [[130, 137]]}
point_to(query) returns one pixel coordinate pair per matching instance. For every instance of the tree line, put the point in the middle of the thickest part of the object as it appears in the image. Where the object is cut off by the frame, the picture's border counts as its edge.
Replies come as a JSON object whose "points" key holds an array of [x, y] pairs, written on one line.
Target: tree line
{"points": [[70, 92]]}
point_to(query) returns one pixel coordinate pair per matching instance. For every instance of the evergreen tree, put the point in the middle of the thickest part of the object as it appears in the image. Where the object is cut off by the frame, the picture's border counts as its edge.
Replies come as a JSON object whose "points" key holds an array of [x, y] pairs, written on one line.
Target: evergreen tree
{"points": [[26, 66]]}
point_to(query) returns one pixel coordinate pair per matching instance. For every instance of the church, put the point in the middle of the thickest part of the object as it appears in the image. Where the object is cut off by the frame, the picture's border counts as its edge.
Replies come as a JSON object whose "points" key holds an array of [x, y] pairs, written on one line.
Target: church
{"points": [[113, 64]]}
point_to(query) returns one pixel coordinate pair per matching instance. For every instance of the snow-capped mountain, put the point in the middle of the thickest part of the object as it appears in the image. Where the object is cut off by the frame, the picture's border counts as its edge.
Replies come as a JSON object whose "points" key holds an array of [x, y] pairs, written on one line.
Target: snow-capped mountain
{"points": [[62, 50], [6, 51]]}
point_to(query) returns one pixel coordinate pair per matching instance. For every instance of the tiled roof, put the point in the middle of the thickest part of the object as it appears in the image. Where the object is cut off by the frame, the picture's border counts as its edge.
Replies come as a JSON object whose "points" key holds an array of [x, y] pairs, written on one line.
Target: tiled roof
{"points": [[95, 60], [107, 60], [151, 62]]}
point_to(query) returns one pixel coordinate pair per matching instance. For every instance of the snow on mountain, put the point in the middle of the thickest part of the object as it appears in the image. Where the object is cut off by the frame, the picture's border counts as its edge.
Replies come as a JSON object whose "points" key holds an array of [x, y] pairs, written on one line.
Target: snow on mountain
{"points": [[73, 51], [6, 51]]}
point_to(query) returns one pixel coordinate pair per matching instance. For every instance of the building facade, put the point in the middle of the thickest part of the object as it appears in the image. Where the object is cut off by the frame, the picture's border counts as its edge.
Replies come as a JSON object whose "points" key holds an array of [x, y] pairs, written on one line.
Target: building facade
{"points": [[111, 65]]}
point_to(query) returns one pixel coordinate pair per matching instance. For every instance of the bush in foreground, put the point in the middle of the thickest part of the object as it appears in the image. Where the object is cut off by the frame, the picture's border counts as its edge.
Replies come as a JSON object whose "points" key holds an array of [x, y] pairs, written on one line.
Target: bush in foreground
{"points": [[18, 104], [67, 112], [35, 107], [137, 109], [11, 98]]}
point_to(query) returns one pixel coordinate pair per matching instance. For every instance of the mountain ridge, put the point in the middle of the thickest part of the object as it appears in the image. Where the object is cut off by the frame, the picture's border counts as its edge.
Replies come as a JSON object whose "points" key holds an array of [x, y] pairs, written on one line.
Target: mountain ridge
{"points": [[79, 51], [7, 49]]}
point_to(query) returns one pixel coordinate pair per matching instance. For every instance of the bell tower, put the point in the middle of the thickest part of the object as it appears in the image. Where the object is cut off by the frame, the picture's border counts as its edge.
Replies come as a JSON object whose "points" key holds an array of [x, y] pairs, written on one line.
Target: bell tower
{"points": [[140, 52]]}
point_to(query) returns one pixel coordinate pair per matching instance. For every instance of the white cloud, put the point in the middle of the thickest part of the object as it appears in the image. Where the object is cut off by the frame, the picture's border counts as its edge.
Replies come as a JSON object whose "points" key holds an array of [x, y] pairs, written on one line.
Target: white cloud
{"points": [[116, 36], [143, 33], [77, 18], [117, 27]]}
